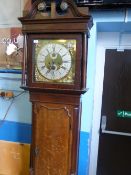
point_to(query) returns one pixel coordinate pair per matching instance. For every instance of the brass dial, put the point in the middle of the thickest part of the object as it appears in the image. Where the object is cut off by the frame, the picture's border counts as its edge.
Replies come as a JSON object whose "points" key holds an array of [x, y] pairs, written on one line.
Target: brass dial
{"points": [[55, 60]]}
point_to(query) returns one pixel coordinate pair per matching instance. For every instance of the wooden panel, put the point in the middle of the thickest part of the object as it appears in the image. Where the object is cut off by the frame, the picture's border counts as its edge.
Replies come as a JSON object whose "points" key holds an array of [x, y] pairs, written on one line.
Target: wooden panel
{"points": [[14, 158], [52, 139], [61, 115], [55, 98]]}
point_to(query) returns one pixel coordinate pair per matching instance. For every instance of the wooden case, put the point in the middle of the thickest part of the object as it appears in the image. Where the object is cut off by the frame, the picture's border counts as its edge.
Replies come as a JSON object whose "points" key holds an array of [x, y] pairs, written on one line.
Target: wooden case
{"points": [[56, 107]]}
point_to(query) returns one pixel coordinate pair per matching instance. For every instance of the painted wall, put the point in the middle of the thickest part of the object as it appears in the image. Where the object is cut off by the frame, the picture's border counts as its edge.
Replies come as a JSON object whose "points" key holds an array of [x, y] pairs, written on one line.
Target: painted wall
{"points": [[17, 123], [15, 114], [20, 110], [17, 110], [113, 31]]}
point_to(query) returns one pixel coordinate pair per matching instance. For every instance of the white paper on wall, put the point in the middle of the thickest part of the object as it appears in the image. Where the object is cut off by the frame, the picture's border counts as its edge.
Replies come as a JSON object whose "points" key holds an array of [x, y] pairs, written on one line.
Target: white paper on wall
{"points": [[10, 10]]}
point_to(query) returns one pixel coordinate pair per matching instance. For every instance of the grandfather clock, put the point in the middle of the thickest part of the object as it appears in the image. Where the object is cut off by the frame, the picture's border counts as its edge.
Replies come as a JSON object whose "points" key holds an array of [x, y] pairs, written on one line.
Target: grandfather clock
{"points": [[54, 72]]}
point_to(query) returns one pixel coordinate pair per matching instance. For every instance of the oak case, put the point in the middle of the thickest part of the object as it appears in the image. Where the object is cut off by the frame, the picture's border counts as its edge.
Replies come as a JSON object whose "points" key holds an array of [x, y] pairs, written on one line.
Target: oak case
{"points": [[56, 105]]}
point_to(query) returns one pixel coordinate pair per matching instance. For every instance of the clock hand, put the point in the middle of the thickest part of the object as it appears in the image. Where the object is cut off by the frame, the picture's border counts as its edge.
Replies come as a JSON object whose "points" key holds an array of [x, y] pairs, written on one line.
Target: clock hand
{"points": [[63, 67], [52, 67], [42, 67], [48, 71], [49, 67]]}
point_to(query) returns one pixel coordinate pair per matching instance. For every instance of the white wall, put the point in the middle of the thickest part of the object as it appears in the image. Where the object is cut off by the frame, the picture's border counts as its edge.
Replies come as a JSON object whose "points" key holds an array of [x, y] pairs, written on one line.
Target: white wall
{"points": [[10, 10]]}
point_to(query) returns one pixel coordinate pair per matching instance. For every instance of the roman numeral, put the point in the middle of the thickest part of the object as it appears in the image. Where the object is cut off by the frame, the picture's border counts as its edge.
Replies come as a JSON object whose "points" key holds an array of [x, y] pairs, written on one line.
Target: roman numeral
{"points": [[42, 67], [65, 54], [67, 61], [53, 47], [48, 71], [63, 67]]}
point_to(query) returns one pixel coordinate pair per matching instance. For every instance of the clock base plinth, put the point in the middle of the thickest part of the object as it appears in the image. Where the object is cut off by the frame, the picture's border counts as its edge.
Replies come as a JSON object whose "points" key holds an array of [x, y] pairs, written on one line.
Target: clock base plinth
{"points": [[56, 126]]}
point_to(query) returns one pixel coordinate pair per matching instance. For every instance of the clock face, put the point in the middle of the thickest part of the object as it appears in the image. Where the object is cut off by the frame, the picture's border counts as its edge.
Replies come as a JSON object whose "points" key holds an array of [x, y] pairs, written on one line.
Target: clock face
{"points": [[54, 60]]}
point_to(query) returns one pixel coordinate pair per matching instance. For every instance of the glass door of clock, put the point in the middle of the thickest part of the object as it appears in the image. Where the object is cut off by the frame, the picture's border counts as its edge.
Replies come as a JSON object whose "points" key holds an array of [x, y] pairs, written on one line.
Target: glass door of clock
{"points": [[114, 154]]}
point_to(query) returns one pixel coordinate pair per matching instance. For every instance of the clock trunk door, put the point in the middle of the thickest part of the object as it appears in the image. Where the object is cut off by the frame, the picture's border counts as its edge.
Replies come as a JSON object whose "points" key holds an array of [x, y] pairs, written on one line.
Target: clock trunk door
{"points": [[52, 139]]}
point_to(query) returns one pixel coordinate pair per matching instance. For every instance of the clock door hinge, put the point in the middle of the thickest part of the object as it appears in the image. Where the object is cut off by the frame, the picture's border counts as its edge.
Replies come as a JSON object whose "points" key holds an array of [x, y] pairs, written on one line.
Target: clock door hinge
{"points": [[36, 151]]}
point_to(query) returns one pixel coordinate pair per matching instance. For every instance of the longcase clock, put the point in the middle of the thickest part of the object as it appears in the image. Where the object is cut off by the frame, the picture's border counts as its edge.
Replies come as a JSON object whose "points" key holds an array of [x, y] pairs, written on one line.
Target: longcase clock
{"points": [[54, 72]]}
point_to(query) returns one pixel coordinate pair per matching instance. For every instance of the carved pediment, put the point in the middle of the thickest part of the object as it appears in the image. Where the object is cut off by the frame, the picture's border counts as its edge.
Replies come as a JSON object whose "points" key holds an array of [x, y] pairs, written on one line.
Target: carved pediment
{"points": [[66, 9]]}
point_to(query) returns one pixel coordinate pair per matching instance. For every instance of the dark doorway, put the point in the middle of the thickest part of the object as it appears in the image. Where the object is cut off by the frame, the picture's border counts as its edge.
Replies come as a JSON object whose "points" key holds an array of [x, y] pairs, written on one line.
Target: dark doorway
{"points": [[114, 155]]}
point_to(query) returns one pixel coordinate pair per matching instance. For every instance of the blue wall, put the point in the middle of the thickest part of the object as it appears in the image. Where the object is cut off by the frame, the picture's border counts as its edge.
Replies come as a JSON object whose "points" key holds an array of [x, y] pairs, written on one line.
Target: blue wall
{"points": [[15, 132], [83, 153]]}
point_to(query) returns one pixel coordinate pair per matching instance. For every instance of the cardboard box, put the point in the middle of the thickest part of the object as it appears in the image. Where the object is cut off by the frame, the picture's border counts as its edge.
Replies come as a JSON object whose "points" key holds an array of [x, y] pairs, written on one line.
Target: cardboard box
{"points": [[14, 158]]}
